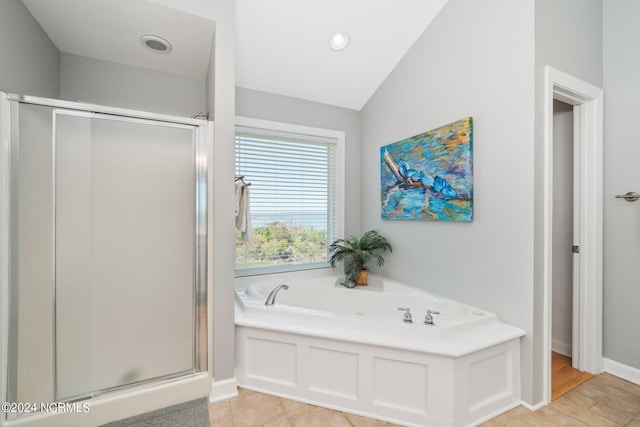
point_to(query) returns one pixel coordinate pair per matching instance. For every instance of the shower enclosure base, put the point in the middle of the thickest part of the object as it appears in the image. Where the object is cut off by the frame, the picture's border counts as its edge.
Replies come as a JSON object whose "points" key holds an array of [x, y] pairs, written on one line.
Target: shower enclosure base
{"points": [[109, 408]]}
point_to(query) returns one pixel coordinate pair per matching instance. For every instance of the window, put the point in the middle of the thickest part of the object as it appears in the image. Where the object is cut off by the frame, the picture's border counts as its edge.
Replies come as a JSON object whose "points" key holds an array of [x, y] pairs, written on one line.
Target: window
{"points": [[295, 195]]}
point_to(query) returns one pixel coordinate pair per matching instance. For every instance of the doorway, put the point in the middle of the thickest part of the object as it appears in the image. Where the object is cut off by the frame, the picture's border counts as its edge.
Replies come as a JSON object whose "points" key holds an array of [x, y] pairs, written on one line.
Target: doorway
{"points": [[566, 226], [583, 105]]}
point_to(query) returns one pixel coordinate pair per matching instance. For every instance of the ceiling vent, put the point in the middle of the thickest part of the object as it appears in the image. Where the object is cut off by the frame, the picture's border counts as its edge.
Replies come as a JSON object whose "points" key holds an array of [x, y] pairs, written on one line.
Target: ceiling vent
{"points": [[156, 43]]}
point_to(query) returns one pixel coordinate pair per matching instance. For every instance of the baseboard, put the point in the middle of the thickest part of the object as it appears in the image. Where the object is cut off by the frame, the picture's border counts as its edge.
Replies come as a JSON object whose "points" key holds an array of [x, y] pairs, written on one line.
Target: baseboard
{"points": [[625, 372], [533, 407], [500, 412], [223, 389], [561, 348]]}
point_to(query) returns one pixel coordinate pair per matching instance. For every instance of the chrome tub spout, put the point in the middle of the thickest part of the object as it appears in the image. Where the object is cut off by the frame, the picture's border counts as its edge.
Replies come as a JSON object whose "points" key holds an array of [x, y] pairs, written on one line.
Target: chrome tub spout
{"points": [[271, 299]]}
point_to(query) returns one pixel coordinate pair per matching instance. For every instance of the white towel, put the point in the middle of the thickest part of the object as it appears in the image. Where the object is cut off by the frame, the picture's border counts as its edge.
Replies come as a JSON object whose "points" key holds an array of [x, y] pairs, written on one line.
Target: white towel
{"points": [[242, 212]]}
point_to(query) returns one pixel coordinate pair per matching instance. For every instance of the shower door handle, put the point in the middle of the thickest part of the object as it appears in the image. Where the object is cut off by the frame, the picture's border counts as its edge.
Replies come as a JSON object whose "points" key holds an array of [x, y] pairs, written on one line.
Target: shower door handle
{"points": [[631, 196]]}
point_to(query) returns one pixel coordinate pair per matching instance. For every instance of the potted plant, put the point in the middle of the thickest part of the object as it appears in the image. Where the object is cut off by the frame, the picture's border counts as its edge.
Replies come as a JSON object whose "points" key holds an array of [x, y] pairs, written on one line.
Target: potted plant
{"points": [[356, 253]]}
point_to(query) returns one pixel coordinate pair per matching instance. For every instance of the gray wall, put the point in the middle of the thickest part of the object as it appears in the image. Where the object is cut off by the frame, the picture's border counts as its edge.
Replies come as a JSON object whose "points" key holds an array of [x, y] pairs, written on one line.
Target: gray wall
{"points": [[621, 174], [116, 85], [278, 108], [29, 62], [471, 61], [221, 84], [568, 36]]}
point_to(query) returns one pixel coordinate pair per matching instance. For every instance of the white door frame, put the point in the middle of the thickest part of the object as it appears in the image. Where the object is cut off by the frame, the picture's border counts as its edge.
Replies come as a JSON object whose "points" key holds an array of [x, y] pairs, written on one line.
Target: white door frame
{"points": [[588, 119]]}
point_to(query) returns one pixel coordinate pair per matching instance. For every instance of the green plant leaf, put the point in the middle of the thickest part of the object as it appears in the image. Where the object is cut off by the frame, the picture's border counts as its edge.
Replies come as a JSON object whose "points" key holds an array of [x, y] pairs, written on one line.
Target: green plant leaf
{"points": [[357, 252]]}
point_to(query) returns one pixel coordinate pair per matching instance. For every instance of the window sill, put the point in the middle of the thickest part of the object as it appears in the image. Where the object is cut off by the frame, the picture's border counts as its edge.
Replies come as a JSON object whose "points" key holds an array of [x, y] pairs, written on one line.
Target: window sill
{"points": [[291, 275]]}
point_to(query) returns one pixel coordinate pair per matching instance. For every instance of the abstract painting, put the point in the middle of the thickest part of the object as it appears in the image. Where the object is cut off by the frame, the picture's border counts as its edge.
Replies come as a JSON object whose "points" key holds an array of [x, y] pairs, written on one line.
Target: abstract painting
{"points": [[429, 176]]}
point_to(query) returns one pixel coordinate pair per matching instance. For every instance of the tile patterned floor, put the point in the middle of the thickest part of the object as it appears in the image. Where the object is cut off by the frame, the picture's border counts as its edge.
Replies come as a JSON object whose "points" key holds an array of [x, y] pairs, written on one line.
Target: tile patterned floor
{"points": [[251, 409], [602, 401]]}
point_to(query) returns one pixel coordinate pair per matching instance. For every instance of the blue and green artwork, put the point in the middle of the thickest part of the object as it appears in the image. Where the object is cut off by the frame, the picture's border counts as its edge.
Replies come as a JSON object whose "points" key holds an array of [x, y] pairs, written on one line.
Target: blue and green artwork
{"points": [[429, 176]]}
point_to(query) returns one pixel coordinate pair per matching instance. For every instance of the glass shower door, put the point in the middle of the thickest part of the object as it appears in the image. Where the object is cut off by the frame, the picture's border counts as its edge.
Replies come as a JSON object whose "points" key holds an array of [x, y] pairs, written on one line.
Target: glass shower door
{"points": [[107, 246], [124, 243]]}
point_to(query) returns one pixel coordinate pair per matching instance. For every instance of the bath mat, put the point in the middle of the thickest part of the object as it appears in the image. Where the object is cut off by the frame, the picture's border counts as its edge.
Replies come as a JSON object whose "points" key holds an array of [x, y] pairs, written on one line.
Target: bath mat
{"points": [[189, 414]]}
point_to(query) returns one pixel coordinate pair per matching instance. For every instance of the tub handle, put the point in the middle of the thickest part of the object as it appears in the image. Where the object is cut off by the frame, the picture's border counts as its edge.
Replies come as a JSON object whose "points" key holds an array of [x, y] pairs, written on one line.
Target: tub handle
{"points": [[428, 319], [407, 315]]}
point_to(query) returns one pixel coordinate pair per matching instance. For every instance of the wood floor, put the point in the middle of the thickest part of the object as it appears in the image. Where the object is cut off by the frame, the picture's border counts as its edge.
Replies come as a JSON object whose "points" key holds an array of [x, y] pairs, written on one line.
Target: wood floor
{"points": [[564, 377]]}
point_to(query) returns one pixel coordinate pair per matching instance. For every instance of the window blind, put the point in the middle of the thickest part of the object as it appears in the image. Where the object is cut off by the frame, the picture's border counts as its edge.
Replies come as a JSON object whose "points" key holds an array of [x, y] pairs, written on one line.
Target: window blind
{"points": [[293, 200]]}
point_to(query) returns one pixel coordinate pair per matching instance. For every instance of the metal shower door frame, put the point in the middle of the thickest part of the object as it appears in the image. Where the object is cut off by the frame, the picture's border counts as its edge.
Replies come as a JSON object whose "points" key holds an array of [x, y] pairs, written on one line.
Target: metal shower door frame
{"points": [[9, 180]]}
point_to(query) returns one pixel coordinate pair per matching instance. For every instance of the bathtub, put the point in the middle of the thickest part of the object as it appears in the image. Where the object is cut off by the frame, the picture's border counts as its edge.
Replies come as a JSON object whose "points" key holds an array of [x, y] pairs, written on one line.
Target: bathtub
{"points": [[351, 350]]}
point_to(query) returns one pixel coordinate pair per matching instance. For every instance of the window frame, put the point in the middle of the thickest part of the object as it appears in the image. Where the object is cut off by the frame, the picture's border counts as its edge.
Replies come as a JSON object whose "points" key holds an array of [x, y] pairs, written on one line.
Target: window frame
{"points": [[339, 199]]}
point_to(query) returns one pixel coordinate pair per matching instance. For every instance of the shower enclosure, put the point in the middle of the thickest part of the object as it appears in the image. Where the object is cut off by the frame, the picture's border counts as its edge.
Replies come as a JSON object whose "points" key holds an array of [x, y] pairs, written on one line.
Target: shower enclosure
{"points": [[105, 246]]}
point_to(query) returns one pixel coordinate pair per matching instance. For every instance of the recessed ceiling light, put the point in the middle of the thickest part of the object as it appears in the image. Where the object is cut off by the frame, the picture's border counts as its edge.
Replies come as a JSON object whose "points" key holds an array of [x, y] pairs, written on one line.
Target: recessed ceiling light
{"points": [[156, 43], [339, 41]]}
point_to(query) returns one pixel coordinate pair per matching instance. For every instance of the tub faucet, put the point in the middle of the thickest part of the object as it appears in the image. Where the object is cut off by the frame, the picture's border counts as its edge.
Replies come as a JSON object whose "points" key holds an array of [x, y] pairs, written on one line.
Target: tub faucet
{"points": [[271, 299], [428, 319]]}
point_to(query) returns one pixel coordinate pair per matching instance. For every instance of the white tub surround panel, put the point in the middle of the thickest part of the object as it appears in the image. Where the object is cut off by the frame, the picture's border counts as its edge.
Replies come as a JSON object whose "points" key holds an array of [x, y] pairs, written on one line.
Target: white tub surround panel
{"points": [[412, 374]]}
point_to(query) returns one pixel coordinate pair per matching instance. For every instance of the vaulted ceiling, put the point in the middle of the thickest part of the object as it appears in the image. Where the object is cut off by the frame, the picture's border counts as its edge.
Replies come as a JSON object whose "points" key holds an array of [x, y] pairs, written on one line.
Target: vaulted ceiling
{"points": [[282, 46]]}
